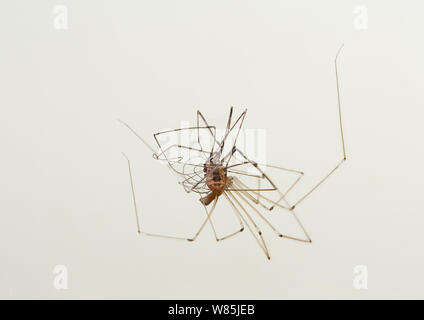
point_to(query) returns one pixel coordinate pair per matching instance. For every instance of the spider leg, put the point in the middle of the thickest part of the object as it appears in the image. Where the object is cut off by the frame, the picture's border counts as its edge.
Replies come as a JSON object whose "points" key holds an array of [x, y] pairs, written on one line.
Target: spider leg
{"points": [[341, 135], [161, 235], [257, 233], [250, 193], [240, 186], [155, 136], [260, 173], [198, 117], [281, 235], [228, 235], [139, 137], [229, 129]]}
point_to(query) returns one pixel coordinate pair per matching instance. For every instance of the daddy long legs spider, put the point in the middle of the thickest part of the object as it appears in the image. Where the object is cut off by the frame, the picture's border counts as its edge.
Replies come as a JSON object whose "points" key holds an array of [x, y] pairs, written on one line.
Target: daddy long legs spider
{"points": [[221, 173]]}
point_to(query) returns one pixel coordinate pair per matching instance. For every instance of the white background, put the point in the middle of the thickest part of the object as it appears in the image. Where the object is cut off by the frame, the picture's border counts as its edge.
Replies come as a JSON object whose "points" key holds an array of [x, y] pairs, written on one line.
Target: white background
{"points": [[64, 186]]}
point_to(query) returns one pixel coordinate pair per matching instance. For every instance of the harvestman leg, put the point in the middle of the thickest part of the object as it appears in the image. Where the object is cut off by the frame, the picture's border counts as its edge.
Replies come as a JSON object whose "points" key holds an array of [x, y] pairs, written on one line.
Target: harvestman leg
{"points": [[341, 134], [160, 235]]}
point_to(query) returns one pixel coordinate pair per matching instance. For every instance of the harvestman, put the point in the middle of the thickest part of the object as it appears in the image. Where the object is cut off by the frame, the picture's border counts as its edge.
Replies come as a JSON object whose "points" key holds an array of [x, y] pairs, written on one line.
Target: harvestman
{"points": [[220, 174]]}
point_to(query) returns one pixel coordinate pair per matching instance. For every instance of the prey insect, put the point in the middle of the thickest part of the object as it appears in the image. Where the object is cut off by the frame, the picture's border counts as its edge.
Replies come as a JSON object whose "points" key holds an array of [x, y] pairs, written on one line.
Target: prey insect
{"points": [[220, 170]]}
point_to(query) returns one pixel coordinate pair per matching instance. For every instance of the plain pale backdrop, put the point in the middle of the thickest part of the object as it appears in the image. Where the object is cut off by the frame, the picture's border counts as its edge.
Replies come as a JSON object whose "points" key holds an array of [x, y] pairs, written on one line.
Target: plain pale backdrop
{"points": [[64, 186]]}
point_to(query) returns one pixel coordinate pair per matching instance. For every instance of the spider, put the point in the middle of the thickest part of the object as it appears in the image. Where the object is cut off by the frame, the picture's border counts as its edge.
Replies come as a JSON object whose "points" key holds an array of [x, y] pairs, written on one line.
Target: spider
{"points": [[219, 171]]}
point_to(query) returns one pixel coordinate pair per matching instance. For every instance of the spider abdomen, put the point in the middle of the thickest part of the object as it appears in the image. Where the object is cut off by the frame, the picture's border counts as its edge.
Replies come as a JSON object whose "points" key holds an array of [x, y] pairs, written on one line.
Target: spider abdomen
{"points": [[216, 177]]}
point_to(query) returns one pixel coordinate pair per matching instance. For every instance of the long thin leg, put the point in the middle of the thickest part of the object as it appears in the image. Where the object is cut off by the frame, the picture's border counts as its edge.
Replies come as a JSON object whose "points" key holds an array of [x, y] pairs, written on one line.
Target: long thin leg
{"points": [[260, 239], [230, 234], [240, 194], [227, 130], [181, 147], [211, 223], [155, 136], [139, 137], [133, 193], [173, 163], [181, 171], [242, 187], [341, 134], [206, 220], [284, 194], [275, 204], [264, 249], [200, 116], [239, 186], [161, 235], [241, 119], [156, 155], [256, 166]]}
